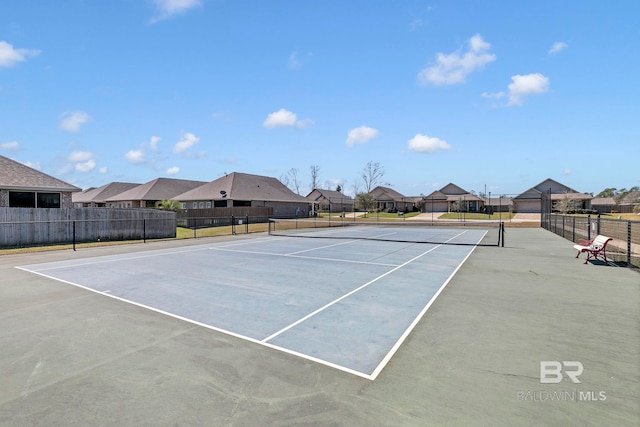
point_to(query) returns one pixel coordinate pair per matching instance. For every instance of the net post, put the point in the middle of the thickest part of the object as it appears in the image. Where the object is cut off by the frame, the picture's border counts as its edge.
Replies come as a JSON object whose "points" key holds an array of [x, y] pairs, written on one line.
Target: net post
{"points": [[502, 234]]}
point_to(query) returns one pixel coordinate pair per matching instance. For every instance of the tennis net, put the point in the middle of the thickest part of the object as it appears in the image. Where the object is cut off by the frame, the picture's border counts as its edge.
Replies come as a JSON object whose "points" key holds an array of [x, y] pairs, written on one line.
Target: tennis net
{"points": [[441, 233]]}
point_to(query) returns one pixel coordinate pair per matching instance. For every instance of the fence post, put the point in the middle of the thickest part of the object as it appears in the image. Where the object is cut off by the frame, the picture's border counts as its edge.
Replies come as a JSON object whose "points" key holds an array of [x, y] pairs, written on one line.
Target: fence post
{"points": [[573, 230], [598, 225], [246, 224], [589, 227], [144, 231], [563, 224], [628, 243], [233, 225], [74, 236]]}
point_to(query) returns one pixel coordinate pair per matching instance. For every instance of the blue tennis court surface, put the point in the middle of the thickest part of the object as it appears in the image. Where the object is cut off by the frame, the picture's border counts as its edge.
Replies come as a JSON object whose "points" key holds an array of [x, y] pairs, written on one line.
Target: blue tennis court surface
{"points": [[345, 303]]}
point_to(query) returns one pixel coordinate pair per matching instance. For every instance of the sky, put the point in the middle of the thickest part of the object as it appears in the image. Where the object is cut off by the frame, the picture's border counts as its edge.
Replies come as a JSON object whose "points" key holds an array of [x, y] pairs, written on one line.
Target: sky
{"points": [[492, 96]]}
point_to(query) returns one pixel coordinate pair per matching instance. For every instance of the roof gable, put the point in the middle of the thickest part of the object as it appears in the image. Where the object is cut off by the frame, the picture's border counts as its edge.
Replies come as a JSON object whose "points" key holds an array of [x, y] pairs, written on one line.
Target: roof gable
{"points": [[545, 186], [158, 189], [100, 194], [382, 193], [331, 195], [15, 175], [243, 186], [452, 189]]}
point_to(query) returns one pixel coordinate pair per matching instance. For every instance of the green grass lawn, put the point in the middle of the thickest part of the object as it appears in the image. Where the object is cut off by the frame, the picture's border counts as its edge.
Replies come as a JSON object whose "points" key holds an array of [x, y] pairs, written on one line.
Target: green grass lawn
{"points": [[477, 216]]}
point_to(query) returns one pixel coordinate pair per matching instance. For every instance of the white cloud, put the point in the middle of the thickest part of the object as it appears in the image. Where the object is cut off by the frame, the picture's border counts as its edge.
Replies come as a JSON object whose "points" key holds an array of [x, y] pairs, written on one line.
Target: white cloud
{"points": [[294, 62], [72, 120], [453, 68], [166, 9], [10, 56], [135, 156], [496, 95], [360, 135], [427, 144], [83, 161], [80, 156], [33, 165], [9, 145], [557, 48], [524, 85], [103, 170], [280, 118], [174, 170], [87, 166], [153, 142], [187, 141]]}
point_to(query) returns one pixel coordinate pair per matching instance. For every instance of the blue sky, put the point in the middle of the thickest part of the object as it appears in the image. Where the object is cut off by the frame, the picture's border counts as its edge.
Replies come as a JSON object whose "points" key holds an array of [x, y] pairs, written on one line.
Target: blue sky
{"points": [[502, 94]]}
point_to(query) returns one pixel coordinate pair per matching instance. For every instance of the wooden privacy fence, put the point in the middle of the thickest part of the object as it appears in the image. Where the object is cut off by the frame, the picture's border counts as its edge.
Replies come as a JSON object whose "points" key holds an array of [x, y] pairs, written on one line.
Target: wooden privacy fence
{"points": [[35, 226]]}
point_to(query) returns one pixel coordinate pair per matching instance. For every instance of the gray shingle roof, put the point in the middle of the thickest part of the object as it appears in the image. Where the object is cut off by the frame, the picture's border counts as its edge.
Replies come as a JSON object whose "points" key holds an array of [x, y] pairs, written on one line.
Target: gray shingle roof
{"points": [[100, 194], [243, 186], [332, 195], [16, 176], [158, 189]]}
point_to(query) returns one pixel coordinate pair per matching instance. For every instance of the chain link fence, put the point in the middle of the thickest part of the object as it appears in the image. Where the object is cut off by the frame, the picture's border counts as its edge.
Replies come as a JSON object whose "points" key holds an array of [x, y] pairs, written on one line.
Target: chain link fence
{"points": [[624, 249]]}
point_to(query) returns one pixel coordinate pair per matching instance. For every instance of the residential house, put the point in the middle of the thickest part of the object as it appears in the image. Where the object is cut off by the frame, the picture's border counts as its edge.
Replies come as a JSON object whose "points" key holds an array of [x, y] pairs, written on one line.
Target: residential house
{"points": [[389, 199], [530, 200], [452, 198], [25, 187], [330, 200], [97, 197], [146, 195], [246, 190]]}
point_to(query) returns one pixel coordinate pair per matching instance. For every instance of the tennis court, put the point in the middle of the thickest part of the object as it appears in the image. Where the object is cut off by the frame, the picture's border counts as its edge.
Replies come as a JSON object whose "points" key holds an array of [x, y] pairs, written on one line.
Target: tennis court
{"points": [[346, 298]]}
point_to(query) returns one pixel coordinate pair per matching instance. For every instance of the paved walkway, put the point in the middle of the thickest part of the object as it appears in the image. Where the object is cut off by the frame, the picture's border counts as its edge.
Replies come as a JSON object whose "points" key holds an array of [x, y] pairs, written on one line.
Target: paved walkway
{"points": [[75, 358]]}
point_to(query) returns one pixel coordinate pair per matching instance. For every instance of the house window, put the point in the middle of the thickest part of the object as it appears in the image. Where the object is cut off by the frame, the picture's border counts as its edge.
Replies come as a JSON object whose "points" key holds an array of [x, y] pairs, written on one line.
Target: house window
{"points": [[220, 203], [48, 200], [184, 205], [22, 199], [201, 205], [208, 205], [195, 205]]}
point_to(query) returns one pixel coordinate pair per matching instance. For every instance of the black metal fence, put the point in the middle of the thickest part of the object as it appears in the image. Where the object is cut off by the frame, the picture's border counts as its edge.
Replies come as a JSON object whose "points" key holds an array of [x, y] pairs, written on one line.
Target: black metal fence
{"points": [[624, 249]]}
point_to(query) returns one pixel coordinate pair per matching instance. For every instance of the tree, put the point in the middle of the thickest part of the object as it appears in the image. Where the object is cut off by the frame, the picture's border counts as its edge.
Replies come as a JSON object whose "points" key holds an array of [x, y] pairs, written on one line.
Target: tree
{"points": [[566, 203], [372, 176], [365, 201], [291, 180], [315, 174], [168, 205], [607, 192]]}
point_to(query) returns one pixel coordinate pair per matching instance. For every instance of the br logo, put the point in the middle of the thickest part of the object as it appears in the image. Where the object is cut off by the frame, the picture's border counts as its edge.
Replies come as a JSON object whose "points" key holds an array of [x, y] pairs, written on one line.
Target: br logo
{"points": [[551, 371]]}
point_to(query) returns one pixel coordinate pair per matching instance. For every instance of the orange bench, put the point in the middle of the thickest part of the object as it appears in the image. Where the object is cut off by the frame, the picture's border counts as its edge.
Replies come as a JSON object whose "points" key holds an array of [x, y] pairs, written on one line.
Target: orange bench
{"points": [[595, 249]]}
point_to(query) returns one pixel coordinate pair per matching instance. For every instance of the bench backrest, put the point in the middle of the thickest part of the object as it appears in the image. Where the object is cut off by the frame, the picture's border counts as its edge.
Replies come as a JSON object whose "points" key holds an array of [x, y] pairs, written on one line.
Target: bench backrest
{"points": [[599, 242]]}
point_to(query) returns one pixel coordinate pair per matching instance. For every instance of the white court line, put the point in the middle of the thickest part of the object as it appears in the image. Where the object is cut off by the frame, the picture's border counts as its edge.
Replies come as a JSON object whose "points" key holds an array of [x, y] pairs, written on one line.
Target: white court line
{"points": [[146, 254], [338, 244], [324, 307], [413, 324], [305, 257], [204, 325], [264, 342]]}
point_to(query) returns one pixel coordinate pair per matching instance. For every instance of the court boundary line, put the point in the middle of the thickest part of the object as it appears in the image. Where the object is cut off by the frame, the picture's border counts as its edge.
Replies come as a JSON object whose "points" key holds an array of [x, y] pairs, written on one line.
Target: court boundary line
{"points": [[407, 332], [204, 325], [263, 342]]}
